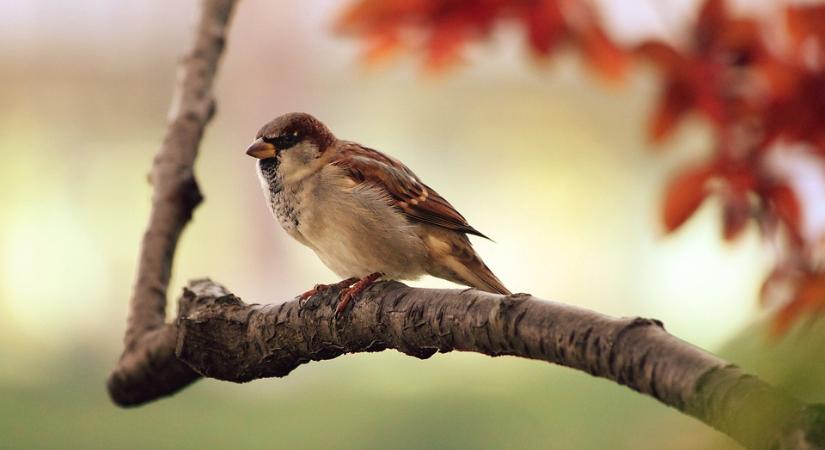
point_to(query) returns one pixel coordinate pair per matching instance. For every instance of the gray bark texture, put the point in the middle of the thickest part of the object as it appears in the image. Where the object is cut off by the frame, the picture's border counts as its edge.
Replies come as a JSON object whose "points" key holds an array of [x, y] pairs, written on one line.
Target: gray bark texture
{"points": [[149, 342], [217, 335]]}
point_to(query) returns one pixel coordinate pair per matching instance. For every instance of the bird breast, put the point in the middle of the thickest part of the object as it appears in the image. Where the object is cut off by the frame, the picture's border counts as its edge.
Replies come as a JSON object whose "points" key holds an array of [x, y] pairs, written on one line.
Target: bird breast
{"points": [[284, 201], [353, 228]]}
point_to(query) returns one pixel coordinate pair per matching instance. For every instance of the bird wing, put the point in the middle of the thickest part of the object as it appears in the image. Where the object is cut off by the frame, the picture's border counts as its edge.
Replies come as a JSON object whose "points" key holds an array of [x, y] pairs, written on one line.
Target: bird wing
{"points": [[415, 199]]}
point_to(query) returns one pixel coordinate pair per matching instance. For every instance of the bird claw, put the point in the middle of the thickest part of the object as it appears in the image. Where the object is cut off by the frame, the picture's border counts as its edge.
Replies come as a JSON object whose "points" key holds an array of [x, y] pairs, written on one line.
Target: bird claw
{"points": [[308, 296], [309, 304], [304, 298], [357, 288], [315, 289]]}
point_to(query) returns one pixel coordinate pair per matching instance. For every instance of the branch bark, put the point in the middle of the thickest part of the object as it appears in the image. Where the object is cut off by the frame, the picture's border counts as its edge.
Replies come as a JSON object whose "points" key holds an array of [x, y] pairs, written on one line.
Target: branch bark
{"points": [[220, 337], [217, 335], [176, 195]]}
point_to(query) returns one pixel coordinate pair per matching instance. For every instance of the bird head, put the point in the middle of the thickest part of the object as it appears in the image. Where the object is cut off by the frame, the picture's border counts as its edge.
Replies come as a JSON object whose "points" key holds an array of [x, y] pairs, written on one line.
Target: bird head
{"points": [[295, 140]]}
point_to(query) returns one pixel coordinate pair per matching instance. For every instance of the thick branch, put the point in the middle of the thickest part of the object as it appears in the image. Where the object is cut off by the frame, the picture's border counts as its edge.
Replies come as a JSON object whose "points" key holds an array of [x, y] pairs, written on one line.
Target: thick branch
{"points": [[221, 337], [176, 195]]}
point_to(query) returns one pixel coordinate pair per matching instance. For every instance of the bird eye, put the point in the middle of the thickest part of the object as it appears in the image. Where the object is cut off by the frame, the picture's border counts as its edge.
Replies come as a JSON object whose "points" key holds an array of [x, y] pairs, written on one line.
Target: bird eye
{"points": [[285, 140]]}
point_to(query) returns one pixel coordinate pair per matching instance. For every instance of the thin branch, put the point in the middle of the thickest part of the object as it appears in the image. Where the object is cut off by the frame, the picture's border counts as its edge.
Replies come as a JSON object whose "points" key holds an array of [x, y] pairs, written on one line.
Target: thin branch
{"points": [[176, 195]]}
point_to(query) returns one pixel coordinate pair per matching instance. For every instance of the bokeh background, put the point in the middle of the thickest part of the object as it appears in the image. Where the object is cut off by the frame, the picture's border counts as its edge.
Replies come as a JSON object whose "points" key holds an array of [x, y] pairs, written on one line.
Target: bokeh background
{"points": [[549, 161]]}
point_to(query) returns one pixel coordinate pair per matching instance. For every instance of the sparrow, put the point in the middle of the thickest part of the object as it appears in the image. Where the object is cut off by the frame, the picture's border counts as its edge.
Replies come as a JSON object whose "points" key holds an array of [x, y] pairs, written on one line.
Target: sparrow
{"points": [[365, 214]]}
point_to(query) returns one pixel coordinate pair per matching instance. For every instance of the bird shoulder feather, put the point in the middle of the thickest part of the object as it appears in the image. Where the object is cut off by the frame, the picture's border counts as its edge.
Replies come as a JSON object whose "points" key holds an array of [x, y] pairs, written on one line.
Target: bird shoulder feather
{"points": [[408, 193]]}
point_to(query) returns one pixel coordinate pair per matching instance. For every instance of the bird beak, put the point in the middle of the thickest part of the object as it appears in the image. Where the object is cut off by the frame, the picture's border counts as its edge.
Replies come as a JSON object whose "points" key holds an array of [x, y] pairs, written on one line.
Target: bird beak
{"points": [[261, 150]]}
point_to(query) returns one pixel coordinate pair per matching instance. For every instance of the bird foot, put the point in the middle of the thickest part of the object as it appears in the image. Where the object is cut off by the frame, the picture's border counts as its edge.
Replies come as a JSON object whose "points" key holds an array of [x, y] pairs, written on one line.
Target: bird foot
{"points": [[320, 288], [355, 290]]}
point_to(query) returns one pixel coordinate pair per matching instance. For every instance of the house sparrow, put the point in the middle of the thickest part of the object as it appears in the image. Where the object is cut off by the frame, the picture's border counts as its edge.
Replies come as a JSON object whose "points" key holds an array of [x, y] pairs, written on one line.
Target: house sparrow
{"points": [[365, 214]]}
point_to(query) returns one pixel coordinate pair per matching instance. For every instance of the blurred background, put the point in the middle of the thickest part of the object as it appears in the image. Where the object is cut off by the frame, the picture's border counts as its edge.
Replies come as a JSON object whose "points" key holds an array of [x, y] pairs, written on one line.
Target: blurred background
{"points": [[546, 159]]}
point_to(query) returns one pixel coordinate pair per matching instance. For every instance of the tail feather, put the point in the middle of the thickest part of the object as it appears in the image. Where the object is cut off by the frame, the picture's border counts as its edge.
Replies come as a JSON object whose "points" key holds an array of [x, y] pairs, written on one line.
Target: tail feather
{"points": [[456, 261], [487, 280]]}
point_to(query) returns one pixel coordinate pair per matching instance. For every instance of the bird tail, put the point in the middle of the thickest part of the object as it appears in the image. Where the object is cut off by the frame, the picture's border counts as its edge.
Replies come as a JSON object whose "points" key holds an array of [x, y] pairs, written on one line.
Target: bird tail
{"points": [[457, 261], [486, 280]]}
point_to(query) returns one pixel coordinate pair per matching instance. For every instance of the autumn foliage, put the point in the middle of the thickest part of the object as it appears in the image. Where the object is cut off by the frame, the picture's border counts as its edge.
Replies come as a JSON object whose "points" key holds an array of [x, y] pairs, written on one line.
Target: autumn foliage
{"points": [[759, 86]]}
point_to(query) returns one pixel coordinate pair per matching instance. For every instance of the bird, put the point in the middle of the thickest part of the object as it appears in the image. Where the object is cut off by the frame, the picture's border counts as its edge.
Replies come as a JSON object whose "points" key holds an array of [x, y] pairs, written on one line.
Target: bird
{"points": [[365, 214]]}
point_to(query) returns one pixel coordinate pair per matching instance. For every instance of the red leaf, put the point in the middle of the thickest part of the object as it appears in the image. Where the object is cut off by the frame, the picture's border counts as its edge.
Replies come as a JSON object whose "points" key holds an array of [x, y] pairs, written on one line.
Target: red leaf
{"points": [[779, 281], [799, 116], [735, 217], [675, 102], [661, 54], [545, 26], [809, 297], [784, 203], [444, 46], [712, 21], [806, 21], [381, 47], [371, 15], [685, 194], [739, 182], [712, 14], [602, 54]]}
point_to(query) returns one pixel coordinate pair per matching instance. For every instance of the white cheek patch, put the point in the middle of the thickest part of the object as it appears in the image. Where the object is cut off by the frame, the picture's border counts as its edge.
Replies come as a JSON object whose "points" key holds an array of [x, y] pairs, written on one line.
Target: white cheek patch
{"points": [[264, 183]]}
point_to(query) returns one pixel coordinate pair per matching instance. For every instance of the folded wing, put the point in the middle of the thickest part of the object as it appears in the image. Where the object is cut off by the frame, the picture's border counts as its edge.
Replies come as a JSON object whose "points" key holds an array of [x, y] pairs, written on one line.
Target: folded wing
{"points": [[415, 199]]}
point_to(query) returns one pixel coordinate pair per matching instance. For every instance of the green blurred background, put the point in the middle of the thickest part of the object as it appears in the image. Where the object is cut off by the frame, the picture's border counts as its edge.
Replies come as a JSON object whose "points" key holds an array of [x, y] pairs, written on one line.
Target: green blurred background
{"points": [[550, 162]]}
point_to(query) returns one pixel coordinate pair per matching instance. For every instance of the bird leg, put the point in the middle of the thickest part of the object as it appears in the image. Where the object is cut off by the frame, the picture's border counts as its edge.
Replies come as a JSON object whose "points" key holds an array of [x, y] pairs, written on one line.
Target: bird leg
{"points": [[319, 288], [356, 289]]}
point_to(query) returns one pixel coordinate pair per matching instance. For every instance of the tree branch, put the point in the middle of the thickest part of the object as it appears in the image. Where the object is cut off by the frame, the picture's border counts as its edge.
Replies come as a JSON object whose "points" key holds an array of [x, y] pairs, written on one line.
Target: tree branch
{"points": [[176, 195], [217, 335], [221, 337]]}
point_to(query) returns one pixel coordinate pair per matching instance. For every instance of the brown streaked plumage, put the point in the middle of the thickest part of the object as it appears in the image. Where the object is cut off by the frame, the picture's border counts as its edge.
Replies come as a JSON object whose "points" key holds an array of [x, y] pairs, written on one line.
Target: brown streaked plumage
{"points": [[364, 213], [417, 200]]}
